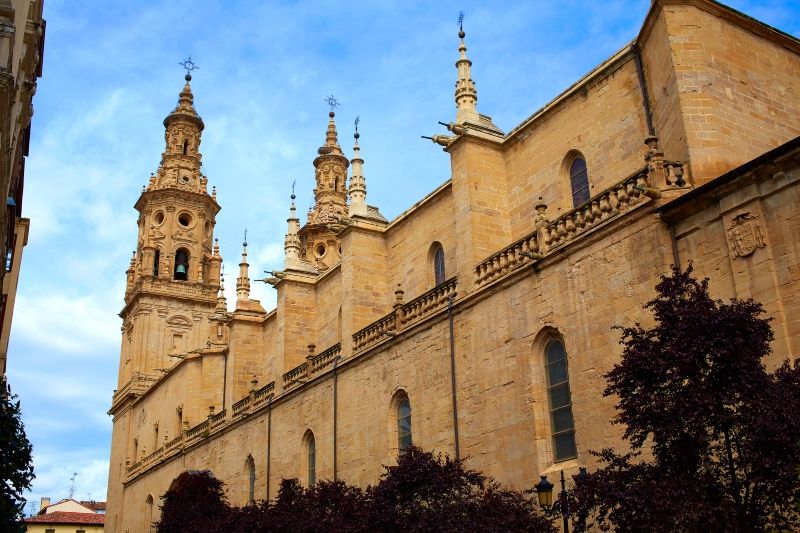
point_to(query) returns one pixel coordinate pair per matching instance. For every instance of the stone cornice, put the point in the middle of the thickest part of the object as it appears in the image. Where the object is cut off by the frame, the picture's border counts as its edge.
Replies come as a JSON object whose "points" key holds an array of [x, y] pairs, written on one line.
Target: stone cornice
{"points": [[731, 15]]}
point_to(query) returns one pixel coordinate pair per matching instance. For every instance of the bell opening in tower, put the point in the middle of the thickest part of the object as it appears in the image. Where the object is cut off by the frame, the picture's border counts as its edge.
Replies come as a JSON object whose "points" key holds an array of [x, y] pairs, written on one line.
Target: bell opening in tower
{"points": [[181, 272], [156, 261]]}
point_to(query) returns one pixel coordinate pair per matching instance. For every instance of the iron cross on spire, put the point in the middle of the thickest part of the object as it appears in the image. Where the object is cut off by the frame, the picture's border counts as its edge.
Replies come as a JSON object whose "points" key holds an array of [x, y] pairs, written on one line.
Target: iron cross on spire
{"points": [[332, 102], [188, 65]]}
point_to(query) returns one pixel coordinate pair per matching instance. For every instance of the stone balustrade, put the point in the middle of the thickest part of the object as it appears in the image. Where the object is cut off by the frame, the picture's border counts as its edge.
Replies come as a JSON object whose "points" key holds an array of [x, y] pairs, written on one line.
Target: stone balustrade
{"points": [[376, 331], [509, 258], [242, 406], [548, 235], [295, 375], [325, 359], [434, 299], [602, 207], [217, 419], [198, 430], [262, 394]]}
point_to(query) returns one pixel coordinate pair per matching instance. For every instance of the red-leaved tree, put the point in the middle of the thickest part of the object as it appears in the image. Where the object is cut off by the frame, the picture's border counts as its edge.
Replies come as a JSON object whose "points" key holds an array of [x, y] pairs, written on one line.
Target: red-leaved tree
{"points": [[422, 492], [714, 437]]}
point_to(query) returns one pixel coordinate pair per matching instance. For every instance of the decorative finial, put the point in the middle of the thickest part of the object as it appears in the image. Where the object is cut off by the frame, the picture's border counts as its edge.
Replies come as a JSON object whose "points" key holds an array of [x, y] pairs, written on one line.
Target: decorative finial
{"points": [[189, 66], [333, 103], [293, 196], [245, 238], [356, 121], [461, 33]]}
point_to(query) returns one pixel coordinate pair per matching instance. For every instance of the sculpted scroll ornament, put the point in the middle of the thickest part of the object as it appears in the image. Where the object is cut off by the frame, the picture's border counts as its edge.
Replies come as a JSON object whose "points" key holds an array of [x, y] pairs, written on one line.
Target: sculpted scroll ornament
{"points": [[744, 235]]}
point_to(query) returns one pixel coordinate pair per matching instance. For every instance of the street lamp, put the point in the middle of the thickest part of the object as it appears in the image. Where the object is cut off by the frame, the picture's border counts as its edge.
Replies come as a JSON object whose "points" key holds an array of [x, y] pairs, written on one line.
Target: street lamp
{"points": [[544, 492]]}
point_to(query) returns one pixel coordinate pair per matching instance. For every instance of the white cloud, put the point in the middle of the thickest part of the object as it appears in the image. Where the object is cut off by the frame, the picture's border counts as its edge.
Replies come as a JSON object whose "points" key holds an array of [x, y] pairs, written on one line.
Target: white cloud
{"points": [[83, 327]]}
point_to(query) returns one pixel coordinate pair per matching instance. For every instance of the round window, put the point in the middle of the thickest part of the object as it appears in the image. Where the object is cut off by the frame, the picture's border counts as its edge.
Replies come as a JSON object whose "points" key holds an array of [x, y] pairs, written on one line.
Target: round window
{"points": [[184, 179], [319, 250], [158, 218], [185, 219]]}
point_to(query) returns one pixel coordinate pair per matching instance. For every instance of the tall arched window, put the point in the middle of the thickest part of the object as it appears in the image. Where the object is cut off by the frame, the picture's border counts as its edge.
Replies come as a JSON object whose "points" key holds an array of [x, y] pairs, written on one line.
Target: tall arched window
{"points": [[311, 457], [562, 424], [438, 265], [579, 181], [403, 423], [250, 470], [149, 512], [181, 271]]}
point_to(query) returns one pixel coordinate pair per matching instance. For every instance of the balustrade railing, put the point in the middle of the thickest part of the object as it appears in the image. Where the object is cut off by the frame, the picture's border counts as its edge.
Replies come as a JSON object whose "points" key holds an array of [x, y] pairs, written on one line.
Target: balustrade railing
{"points": [[509, 258], [375, 332], [434, 299], [217, 419], [325, 358], [294, 376], [197, 430], [548, 235], [241, 406], [263, 393]]}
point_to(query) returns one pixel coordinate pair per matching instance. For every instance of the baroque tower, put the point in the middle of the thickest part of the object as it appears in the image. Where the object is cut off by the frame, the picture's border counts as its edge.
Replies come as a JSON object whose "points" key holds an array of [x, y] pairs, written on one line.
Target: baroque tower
{"points": [[319, 244], [170, 317]]}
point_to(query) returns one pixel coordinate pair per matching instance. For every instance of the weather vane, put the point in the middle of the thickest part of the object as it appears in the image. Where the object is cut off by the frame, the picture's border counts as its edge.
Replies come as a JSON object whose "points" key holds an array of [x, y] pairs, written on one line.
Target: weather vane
{"points": [[189, 66], [461, 21], [356, 121], [293, 196], [245, 237], [332, 102]]}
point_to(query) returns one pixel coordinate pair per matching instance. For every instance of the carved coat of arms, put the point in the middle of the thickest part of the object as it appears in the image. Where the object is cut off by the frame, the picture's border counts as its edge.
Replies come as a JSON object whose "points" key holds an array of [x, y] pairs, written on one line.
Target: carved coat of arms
{"points": [[744, 235]]}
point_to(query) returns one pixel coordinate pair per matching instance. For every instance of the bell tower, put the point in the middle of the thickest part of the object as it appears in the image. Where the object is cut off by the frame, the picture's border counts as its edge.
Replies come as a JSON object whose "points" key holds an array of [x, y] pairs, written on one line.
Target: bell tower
{"points": [[174, 275], [319, 244]]}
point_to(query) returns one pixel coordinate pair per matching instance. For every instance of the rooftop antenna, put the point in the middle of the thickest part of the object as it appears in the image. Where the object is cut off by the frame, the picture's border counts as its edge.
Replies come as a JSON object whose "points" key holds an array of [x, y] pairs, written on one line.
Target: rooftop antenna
{"points": [[72, 487]]}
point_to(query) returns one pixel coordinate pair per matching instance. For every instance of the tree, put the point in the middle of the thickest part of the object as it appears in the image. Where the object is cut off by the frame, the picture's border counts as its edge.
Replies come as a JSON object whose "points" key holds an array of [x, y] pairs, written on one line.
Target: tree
{"points": [[426, 493], [421, 493], [16, 463], [194, 502], [714, 437]]}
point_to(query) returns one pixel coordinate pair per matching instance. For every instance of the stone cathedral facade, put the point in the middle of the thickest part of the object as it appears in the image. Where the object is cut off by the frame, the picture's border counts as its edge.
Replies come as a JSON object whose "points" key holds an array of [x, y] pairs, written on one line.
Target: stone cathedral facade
{"points": [[478, 322]]}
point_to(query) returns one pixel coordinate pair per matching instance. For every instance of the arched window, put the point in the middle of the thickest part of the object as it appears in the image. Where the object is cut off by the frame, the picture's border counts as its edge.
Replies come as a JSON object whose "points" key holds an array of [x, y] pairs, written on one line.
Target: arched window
{"points": [[149, 512], [403, 423], [181, 271], [156, 260], [185, 147], [438, 265], [250, 470], [311, 457], [579, 181], [562, 424]]}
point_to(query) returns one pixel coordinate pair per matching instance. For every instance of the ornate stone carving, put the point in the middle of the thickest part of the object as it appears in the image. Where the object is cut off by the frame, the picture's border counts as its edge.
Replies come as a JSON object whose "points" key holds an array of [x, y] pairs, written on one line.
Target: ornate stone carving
{"points": [[744, 235]]}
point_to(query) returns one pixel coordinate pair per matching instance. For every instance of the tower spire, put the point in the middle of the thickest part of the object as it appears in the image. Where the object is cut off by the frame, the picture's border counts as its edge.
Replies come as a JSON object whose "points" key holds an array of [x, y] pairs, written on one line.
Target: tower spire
{"points": [[358, 184], [291, 243], [181, 160], [330, 194], [466, 94], [243, 281]]}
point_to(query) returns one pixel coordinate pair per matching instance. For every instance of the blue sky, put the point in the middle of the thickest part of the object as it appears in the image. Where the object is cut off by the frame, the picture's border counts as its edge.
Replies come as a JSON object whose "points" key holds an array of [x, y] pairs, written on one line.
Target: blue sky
{"points": [[111, 75]]}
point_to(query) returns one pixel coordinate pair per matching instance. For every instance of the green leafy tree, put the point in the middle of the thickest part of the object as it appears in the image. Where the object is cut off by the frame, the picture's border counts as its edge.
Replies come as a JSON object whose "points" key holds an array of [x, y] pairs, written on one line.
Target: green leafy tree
{"points": [[16, 464], [713, 435]]}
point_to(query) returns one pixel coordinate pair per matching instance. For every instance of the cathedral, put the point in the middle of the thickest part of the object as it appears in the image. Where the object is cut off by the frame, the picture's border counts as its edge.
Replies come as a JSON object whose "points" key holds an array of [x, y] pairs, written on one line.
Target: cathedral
{"points": [[477, 323]]}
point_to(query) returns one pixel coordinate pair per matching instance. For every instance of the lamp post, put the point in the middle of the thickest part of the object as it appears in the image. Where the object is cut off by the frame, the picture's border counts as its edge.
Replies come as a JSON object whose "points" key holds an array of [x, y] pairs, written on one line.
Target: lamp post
{"points": [[544, 492]]}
